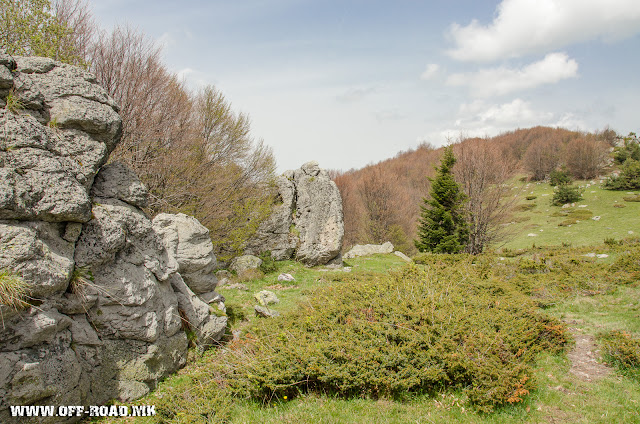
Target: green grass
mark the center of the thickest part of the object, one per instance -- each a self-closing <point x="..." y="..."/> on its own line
<point x="291" y="293"/>
<point x="543" y="219"/>
<point x="556" y="269"/>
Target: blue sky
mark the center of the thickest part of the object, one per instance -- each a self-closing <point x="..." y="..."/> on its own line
<point x="353" y="82"/>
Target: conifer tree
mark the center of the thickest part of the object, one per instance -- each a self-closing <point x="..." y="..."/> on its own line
<point x="442" y="227"/>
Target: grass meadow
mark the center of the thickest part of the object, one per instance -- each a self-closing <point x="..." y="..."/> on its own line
<point x="543" y="329"/>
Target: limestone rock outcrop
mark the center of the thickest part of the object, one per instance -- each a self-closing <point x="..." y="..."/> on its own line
<point x="368" y="249"/>
<point x="188" y="242"/>
<point x="107" y="305"/>
<point x="307" y="220"/>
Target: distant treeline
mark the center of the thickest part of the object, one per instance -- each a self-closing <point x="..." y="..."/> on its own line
<point x="382" y="201"/>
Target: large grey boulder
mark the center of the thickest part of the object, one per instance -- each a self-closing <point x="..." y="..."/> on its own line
<point x="189" y="243"/>
<point x="243" y="263"/>
<point x="53" y="146"/>
<point x="368" y="249"/>
<point x="307" y="220"/>
<point x="319" y="217"/>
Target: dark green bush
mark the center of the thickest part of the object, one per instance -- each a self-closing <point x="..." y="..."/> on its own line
<point x="630" y="149"/>
<point x="622" y="350"/>
<point x="611" y="241"/>
<point x="559" y="177"/>
<point x="628" y="179"/>
<point x="419" y="330"/>
<point x="268" y="265"/>
<point x="566" y="194"/>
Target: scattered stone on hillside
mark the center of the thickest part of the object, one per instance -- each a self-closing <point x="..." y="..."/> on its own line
<point x="189" y="243"/>
<point x="223" y="273"/>
<point x="223" y="282"/>
<point x="532" y="235"/>
<point x="265" y="312"/>
<point x="286" y="277"/>
<point x="582" y="206"/>
<point x="237" y="286"/>
<point x="402" y="256"/>
<point x="306" y="222"/>
<point x="596" y="218"/>
<point x="266" y="297"/>
<point x="599" y="255"/>
<point x="368" y="249"/>
<point x="629" y="232"/>
<point x="212" y="297"/>
<point x="244" y="263"/>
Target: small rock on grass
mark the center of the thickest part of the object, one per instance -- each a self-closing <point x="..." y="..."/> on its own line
<point x="266" y="297"/>
<point x="286" y="277"/>
<point x="265" y="312"/>
<point x="402" y="256"/>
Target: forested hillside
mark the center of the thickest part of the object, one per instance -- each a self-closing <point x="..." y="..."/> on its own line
<point x="382" y="201"/>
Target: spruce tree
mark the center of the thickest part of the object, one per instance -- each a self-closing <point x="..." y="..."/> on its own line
<point x="442" y="227"/>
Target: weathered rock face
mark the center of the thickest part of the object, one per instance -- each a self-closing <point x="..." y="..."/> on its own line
<point x="188" y="242"/>
<point x="307" y="221"/>
<point x="108" y="307"/>
<point x="46" y="170"/>
<point x="319" y="215"/>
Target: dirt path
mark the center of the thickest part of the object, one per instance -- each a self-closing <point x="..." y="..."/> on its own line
<point x="585" y="357"/>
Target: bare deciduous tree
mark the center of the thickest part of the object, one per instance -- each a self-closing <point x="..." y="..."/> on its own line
<point x="483" y="171"/>
<point x="585" y="157"/>
<point x="542" y="157"/>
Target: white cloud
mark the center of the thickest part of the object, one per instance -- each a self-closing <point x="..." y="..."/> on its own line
<point x="572" y="122"/>
<point x="183" y="73"/>
<point x="518" y="113"/>
<point x="389" y="115"/>
<point x="166" y="40"/>
<point x="499" y="81"/>
<point x="355" y="94"/>
<point x="430" y="72"/>
<point x="531" y="26"/>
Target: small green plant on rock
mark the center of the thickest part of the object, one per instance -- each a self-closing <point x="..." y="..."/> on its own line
<point x="14" y="104"/>
<point x="13" y="290"/>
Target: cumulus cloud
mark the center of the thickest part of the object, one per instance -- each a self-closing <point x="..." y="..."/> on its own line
<point x="532" y="26"/>
<point x="517" y="113"/>
<point x="430" y="72"/>
<point x="499" y="81"/>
